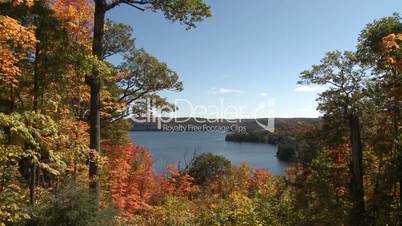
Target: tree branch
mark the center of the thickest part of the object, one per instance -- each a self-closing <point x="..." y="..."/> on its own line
<point x="137" y="7"/>
<point x="128" y="2"/>
<point x="139" y="96"/>
<point x="126" y="93"/>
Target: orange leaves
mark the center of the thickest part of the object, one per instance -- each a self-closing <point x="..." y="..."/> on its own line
<point x="16" y="42"/>
<point x="78" y="19"/>
<point x="391" y="41"/>
<point x="262" y="181"/>
<point x="110" y="104"/>
<point x="393" y="53"/>
<point x="74" y="129"/>
<point x="176" y="182"/>
<point x="28" y="3"/>
<point x="131" y="177"/>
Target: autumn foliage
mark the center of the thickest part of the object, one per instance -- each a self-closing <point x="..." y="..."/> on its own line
<point x="130" y="177"/>
<point x="393" y="50"/>
<point x="16" y="43"/>
<point x="77" y="17"/>
<point x="46" y="63"/>
<point x="133" y="184"/>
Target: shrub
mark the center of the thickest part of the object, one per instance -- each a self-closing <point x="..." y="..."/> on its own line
<point x="71" y="207"/>
<point x="207" y="166"/>
<point x="286" y="152"/>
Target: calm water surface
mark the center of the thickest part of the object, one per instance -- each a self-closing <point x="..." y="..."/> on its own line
<point x="180" y="147"/>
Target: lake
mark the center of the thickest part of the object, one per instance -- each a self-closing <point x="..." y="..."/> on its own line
<point x="180" y="147"/>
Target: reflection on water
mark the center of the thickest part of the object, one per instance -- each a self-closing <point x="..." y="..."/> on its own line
<point x="180" y="148"/>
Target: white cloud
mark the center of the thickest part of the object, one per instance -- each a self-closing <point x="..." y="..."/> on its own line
<point x="263" y="94"/>
<point x="309" y="89"/>
<point x="215" y="90"/>
<point x="224" y="90"/>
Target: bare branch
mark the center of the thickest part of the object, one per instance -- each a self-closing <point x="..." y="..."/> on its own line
<point x="128" y="2"/>
<point x="137" y="7"/>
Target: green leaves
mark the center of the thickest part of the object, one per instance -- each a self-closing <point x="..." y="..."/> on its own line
<point x="345" y="78"/>
<point x="148" y="73"/>
<point x="27" y="135"/>
<point x="187" y="12"/>
<point x="90" y="64"/>
<point x="117" y="39"/>
<point x="207" y="166"/>
<point x="370" y="43"/>
<point x="32" y="136"/>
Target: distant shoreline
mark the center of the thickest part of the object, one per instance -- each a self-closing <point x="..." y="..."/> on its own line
<point x="247" y="124"/>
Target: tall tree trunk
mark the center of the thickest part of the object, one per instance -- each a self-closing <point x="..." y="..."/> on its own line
<point x="398" y="149"/>
<point x="35" y="107"/>
<point x="397" y="133"/>
<point x="357" y="190"/>
<point x="36" y="77"/>
<point x="32" y="184"/>
<point x="95" y="84"/>
<point x="377" y="192"/>
<point x="400" y="184"/>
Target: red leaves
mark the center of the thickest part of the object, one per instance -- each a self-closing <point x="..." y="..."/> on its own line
<point x="131" y="177"/>
<point x="177" y="183"/>
<point x="133" y="184"/>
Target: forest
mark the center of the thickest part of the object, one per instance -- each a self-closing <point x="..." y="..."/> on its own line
<point x="66" y="158"/>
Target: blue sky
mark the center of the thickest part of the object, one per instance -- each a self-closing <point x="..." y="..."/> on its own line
<point x="249" y="54"/>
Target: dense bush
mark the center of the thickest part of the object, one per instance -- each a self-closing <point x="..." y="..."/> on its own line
<point x="208" y="166"/>
<point x="286" y="152"/>
<point x="71" y="206"/>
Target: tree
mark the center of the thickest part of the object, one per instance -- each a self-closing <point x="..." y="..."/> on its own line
<point x="286" y="152"/>
<point x="393" y="51"/>
<point x="131" y="177"/>
<point x="144" y="76"/>
<point x="320" y="188"/>
<point x="17" y="42"/>
<point x="71" y="206"/>
<point x="370" y="46"/>
<point x="139" y="77"/>
<point x="206" y="167"/>
<point x="187" y="12"/>
<point x="379" y="48"/>
<point x="117" y="39"/>
<point x="28" y="138"/>
<point x="344" y="98"/>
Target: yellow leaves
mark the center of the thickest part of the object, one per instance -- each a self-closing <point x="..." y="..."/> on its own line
<point x="16" y="42"/>
<point x="243" y="210"/>
<point x="110" y="104"/>
<point x="12" y="199"/>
